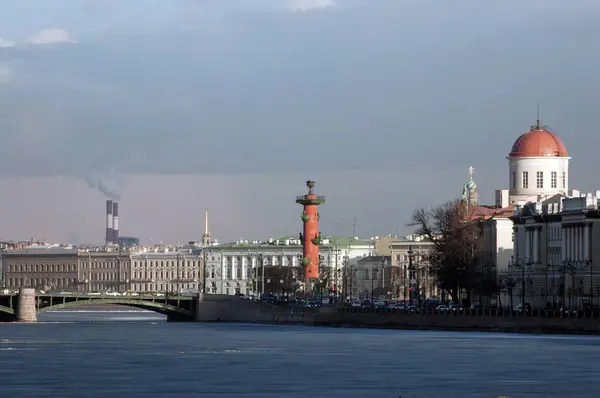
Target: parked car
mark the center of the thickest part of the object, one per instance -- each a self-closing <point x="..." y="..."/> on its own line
<point x="523" y="307"/>
<point x="442" y="308"/>
<point x="568" y="311"/>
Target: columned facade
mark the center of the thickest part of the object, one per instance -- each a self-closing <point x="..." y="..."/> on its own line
<point x="556" y="260"/>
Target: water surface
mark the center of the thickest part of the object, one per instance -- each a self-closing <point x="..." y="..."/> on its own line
<point x="128" y="354"/>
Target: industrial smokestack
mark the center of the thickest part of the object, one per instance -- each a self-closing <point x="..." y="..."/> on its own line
<point x="109" y="222"/>
<point x="115" y="214"/>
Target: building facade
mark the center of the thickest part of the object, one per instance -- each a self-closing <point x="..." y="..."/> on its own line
<point x="410" y="277"/>
<point x="42" y="267"/>
<point x="557" y="247"/>
<point x="253" y="268"/>
<point x="538" y="168"/>
<point x="372" y="277"/>
<point x="104" y="269"/>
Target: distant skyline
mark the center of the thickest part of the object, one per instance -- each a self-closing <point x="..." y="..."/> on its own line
<point x="232" y="105"/>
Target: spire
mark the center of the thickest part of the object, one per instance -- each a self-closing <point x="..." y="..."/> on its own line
<point x="205" y="222"/>
<point x="206" y="238"/>
<point x="538" y="126"/>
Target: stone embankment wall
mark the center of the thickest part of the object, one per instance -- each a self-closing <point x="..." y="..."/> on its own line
<point x="221" y="308"/>
<point x="460" y="322"/>
<point x="233" y="309"/>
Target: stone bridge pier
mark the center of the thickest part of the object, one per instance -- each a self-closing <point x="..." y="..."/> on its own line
<point x="26" y="310"/>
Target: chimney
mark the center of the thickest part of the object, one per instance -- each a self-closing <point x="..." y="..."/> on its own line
<point x="109" y="222"/>
<point x="115" y="215"/>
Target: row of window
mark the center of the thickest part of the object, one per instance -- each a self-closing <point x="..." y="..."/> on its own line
<point x="41" y="282"/>
<point x="403" y="258"/>
<point x="73" y="267"/>
<point x="41" y="268"/>
<point x="104" y="264"/>
<point x="162" y="287"/>
<point x="167" y="263"/>
<point x="107" y="276"/>
<point x="231" y="290"/>
<point x="165" y="274"/>
<point x="539" y="179"/>
<point x="554" y="234"/>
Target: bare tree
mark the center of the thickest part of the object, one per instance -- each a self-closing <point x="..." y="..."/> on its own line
<point x="326" y="277"/>
<point x="455" y="254"/>
<point x="507" y="283"/>
<point x="396" y="280"/>
<point x="283" y="279"/>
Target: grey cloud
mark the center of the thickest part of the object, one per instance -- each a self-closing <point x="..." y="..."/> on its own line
<point x="311" y="93"/>
<point x="5" y="73"/>
<point x="5" y="43"/>
<point x="51" y="36"/>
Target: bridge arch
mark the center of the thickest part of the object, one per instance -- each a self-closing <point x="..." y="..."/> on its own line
<point x="6" y="310"/>
<point x="171" y="311"/>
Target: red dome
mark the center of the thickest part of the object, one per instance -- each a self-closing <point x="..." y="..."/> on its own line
<point x="538" y="142"/>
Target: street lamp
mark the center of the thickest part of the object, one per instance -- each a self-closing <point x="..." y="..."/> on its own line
<point x="345" y="284"/>
<point x="520" y="264"/>
<point x="553" y="285"/>
<point x="588" y="264"/>
<point x="337" y="253"/>
<point x="411" y="269"/>
<point x="567" y="267"/>
<point x="372" y="279"/>
<point x="383" y="263"/>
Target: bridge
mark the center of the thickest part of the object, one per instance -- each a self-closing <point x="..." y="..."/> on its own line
<point x="25" y="305"/>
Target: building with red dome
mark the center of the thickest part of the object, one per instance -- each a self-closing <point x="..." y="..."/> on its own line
<point x="538" y="166"/>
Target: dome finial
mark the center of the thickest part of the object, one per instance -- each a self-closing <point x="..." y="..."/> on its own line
<point x="537" y="123"/>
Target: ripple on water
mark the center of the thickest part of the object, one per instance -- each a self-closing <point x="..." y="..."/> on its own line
<point x="139" y="359"/>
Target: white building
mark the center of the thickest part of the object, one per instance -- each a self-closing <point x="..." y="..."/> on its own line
<point x="237" y="268"/>
<point x="556" y="248"/>
<point x="405" y="282"/>
<point x="164" y="270"/>
<point x="538" y="166"/>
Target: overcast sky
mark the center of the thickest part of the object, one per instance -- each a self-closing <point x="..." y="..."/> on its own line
<point x="234" y="104"/>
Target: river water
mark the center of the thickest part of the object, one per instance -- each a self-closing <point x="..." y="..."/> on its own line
<point x="137" y="354"/>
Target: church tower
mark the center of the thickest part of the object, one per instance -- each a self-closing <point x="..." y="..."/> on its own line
<point x="206" y="238"/>
<point x="469" y="195"/>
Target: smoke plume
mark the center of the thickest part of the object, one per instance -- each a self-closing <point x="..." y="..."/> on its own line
<point x="109" y="185"/>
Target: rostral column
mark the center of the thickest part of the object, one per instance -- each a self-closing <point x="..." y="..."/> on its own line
<point x="311" y="238"/>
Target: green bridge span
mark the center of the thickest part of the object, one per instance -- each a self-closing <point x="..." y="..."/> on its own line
<point x="175" y="307"/>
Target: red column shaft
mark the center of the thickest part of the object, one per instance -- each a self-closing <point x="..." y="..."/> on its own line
<point x="311" y="231"/>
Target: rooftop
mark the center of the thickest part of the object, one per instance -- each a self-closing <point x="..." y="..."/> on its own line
<point x="539" y="141"/>
<point x="294" y="241"/>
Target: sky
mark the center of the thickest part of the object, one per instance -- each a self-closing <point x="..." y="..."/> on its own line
<point x="231" y="105"/>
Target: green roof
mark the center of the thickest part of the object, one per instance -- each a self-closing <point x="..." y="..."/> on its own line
<point x="337" y="241"/>
<point x="347" y="241"/>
